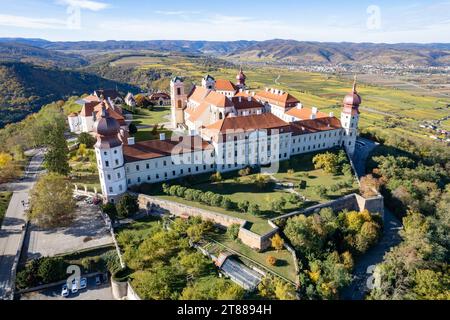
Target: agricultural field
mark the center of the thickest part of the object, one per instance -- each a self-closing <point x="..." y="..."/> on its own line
<point x="396" y="105"/>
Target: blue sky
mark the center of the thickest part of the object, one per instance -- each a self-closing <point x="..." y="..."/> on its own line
<point x="326" y="20"/>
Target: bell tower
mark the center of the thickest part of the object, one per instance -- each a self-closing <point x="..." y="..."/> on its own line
<point x="179" y="99"/>
<point x="350" y="119"/>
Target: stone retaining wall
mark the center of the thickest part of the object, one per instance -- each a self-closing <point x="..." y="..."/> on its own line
<point x="249" y="238"/>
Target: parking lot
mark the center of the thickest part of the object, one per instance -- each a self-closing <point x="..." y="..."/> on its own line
<point x="87" y="231"/>
<point x="92" y="292"/>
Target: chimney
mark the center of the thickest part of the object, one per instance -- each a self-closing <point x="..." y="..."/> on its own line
<point x="162" y="136"/>
<point x="314" y="110"/>
<point x="313" y="116"/>
<point x="131" y="141"/>
<point x="331" y="114"/>
<point x="240" y="99"/>
<point x="249" y="99"/>
<point x="299" y="106"/>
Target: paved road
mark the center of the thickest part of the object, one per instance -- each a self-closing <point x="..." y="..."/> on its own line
<point x="363" y="149"/>
<point x="11" y="230"/>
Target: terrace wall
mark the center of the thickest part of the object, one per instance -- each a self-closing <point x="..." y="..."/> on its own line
<point x="249" y="238"/>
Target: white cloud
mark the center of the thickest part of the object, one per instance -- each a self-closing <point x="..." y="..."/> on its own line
<point x="31" y="23"/>
<point x="85" y="4"/>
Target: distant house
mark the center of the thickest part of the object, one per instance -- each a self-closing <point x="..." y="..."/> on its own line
<point x="130" y="100"/>
<point x="111" y="95"/>
<point x="160" y="99"/>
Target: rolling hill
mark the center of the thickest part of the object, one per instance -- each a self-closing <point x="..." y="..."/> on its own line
<point x="281" y="51"/>
<point x="20" y="52"/>
<point x="24" y="88"/>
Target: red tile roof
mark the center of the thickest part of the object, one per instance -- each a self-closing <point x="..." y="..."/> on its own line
<point x="315" y="125"/>
<point x="200" y="94"/>
<point x="304" y="113"/>
<point x="152" y="149"/>
<point x="88" y="109"/>
<point x="248" y="123"/>
<point x="284" y="100"/>
<point x="242" y="102"/>
<point x="225" y="85"/>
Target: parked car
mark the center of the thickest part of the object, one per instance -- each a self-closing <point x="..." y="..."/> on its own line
<point x="64" y="291"/>
<point x="74" y="286"/>
<point x="98" y="281"/>
<point x="83" y="283"/>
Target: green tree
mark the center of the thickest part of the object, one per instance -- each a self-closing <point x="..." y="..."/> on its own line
<point x="127" y="206"/>
<point x="110" y="209"/>
<point x="86" y="139"/>
<point x="243" y="206"/>
<point x="132" y="129"/>
<point x="253" y="209"/>
<point x="212" y="288"/>
<point x="233" y="231"/>
<point x="52" y="203"/>
<point x="57" y="151"/>
<point x="52" y="269"/>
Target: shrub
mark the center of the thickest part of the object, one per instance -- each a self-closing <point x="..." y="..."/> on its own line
<point x="302" y="184"/>
<point x="52" y="269"/>
<point x="253" y="209"/>
<point x="127" y="206"/>
<point x="227" y="204"/>
<point x="233" y="231"/>
<point x="86" y="139"/>
<point x="243" y="206"/>
<point x="245" y="172"/>
<point x="271" y="260"/>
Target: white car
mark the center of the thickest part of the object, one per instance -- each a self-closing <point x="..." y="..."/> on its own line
<point x="83" y="283"/>
<point x="64" y="291"/>
<point x="74" y="286"/>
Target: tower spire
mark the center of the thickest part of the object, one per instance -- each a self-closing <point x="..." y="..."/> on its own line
<point x="354" y="83"/>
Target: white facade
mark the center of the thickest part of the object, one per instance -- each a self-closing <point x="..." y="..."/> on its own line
<point x="110" y="163"/>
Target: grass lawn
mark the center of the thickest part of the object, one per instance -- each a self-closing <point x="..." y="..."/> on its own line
<point x="5" y="197"/>
<point x="285" y="266"/>
<point x="142" y="227"/>
<point x="239" y="189"/>
<point x="149" y="118"/>
<point x="304" y="170"/>
<point x="259" y="225"/>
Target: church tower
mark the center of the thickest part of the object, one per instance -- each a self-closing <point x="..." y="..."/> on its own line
<point x="241" y="77"/>
<point x="110" y="160"/>
<point x="179" y="99"/>
<point x="350" y="118"/>
<point x="208" y="82"/>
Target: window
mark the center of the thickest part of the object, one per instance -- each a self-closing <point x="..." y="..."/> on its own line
<point x="107" y="163"/>
<point x="109" y="177"/>
<point x="120" y="187"/>
<point x="115" y="151"/>
<point x="178" y="91"/>
<point x="105" y="153"/>
<point x="165" y="163"/>
<point x="117" y="162"/>
<point x="110" y="189"/>
<point x="137" y="167"/>
<point x="139" y="179"/>
<point x="147" y="166"/>
<point x="157" y="176"/>
<point x="149" y="178"/>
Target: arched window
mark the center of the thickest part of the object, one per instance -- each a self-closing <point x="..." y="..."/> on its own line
<point x="220" y="115"/>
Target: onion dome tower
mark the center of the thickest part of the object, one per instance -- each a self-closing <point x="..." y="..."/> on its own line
<point x="109" y="154"/>
<point x="350" y="118"/>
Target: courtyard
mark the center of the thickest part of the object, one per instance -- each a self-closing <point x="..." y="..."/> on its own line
<point x="283" y="185"/>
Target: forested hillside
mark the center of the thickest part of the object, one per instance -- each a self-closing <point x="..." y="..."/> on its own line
<point x="25" y="88"/>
